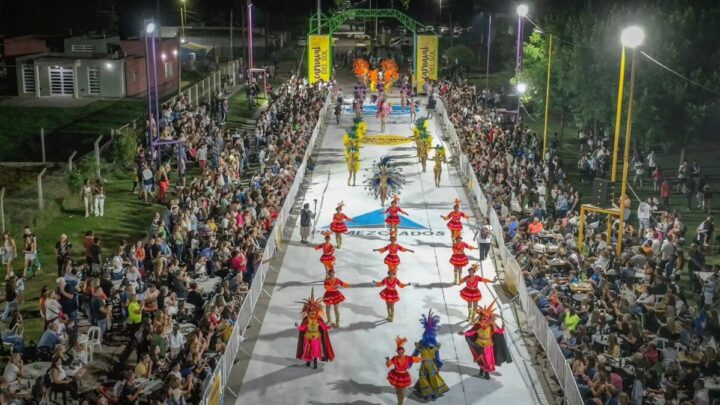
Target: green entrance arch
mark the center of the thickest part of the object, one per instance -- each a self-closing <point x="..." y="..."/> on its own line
<point x="322" y="24"/>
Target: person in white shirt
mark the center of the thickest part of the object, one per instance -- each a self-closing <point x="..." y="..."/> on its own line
<point x="644" y="213"/>
<point x="13" y="370"/>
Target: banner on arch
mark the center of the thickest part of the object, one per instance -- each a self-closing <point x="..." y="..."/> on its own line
<point x="426" y="60"/>
<point x="319" y="67"/>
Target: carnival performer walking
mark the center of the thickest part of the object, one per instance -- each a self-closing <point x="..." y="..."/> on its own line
<point x="471" y="293"/>
<point x="338" y="224"/>
<point x="313" y="339"/>
<point x="383" y="110"/>
<point x="439" y="159"/>
<point x="454" y="220"/>
<point x="333" y="297"/>
<point x="487" y="342"/>
<point x="389" y="294"/>
<point x="399" y="376"/>
<point x="386" y="179"/>
<point x="459" y="259"/>
<point x="393" y="218"/>
<point x="429" y="384"/>
<point x="352" y="141"/>
<point x="328" y="253"/>
<point x="392" y="259"/>
<point x="423" y="141"/>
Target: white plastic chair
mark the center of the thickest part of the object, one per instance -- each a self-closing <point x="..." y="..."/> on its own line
<point x="94" y="340"/>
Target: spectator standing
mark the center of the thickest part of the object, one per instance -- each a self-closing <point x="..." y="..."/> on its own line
<point x="30" y="244"/>
<point x="86" y="193"/>
<point x="99" y="198"/>
<point x="9" y="252"/>
<point x="63" y="249"/>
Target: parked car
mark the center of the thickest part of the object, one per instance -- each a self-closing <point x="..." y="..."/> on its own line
<point x="301" y="42"/>
<point x="429" y="29"/>
<point x="401" y="31"/>
<point x="420" y="30"/>
<point x="444" y="30"/>
<point x="361" y="36"/>
<point x="457" y="30"/>
<point x="469" y="29"/>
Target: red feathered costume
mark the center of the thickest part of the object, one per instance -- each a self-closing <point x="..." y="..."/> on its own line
<point x="332" y="295"/>
<point x="393" y="217"/>
<point x="338" y="223"/>
<point x="459" y="258"/>
<point x="328" y="255"/>
<point x="392" y="259"/>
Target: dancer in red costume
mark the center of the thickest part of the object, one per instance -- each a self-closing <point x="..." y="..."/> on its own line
<point x="471" y="292"/>
<point x="486" y="341"/>
<point x="454" y="220"/>
<point x="399" y="377"/>
<point x="389" y="294"/>
<point x="459" y="259"/>
<point x="338" y="224"/>
<point x="333" y="297"/>
<point x="393" y="218"/>
<point x="313" y="339"/>
<point x="392" y="259"/>
<point x="328" y="255"/>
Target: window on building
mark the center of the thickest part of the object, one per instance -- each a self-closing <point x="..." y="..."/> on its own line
<point x="94" y="81"/>
<point x="134" y="75"/>
<point x="28" y="73"/>
<point x="168" y="69"/>
<point x="82" y="48"/>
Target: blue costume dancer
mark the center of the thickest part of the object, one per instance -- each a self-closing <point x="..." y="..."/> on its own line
<point x="429" y="383"/>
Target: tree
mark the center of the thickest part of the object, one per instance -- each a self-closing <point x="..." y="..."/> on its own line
<point x="464" y="55"/>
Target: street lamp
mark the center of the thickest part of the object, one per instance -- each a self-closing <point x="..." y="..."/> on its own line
<point x="521" y="87"/>
<point x="631" y="37"/>
<point x="152" y="85"/>
<point x="522" y="12"/>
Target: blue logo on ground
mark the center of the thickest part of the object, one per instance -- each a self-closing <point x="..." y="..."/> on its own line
<point x="371" y="109"/>
<point x="376" y="219"/>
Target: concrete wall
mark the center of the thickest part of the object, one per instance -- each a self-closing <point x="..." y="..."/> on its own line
<point x="135" y="77"/>
<point x="112" y="77"/>
<point x="24" y="46"/>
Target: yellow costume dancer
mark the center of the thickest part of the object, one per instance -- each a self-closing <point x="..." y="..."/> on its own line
<point x="439" y="159"/>
<point x="423" y="141"/>
<point x="352" y="141"/>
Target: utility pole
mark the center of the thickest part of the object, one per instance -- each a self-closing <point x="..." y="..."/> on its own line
<point x="231" y="34"/>
<point x="319" y="18"/>
<point x="451" y="31"/>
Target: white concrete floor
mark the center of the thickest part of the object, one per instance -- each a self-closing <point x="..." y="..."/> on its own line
<point x="358" y="374"/>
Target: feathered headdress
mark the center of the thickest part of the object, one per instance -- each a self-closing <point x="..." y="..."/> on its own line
<point x="399" y="342"/>
<point x="340" y="205"/>
<point x="430" y="323"/>
<point x="327" y="234"/>
<point x="393" y="174"/>
<point x="474" y="267"/>
<point x="396" y="198"/>
<point x="312" y="305"/>
<point x="486" y="313"/>
<point x="457" y="202"/>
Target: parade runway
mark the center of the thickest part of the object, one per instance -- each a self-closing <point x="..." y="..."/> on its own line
<point x="358" y="374"/>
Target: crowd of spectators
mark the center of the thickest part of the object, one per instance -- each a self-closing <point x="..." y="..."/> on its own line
<point x="632" y="328"/>
<point x="168" y="302"/>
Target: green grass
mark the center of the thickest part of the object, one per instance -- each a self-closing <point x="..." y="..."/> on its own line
<point x="126" y="218"/>
<point x="66" y="129"/>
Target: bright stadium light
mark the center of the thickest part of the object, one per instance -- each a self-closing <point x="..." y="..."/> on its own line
<point x="522" y="10"/>
<point x="632" y="37"/>
<point x="150" y="27"/>
<point x="521" y="87"/>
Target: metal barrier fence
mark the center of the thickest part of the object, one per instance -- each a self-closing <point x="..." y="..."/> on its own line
<point x="514" y="280"/>
<point x="214" y="391"/>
